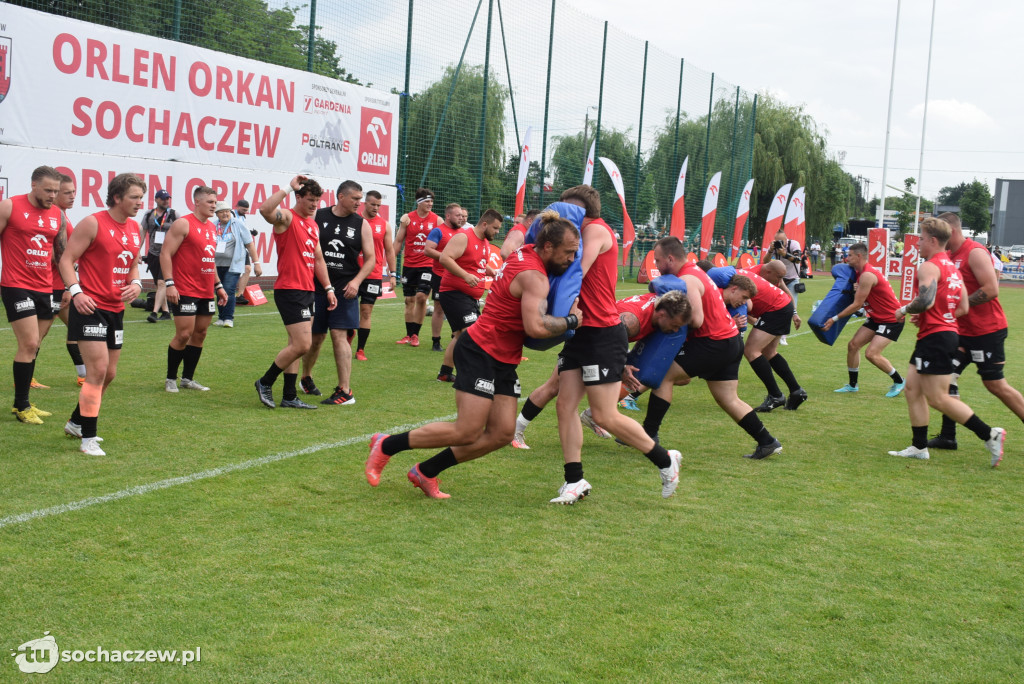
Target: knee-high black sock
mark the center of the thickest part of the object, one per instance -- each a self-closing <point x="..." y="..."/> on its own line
<point x="573" y="472"/>
<point x="289" y="386"/>
<point x="364" y="334"/>
<point x="896" y="377"/>
<point x="656" y="410"/>
<point x="854" y="376"/>
<point x="948" y="428"/>
<point x="89" y="426"/>
<point x="438" y="463"/>
<point x="763" y="370"/>
<point x="978" y="427"/>
<point x="76" y="415"/>
<point x="919" y="436"/>
<point x="436" y="340"/>
<point x="191" y="356"/>
<point x="530" y="410"/>
<point x="22" y="380"/>
<point x="781" y="366"/>
<point x="408" y="328"/>
<point x="659" y="456"/>
<point x="174" y="357"/>
<point x="755" y="428"/>
<point x="270" y="377"/>
<point x="395" y="443"/>
<point x="75" y="353"/>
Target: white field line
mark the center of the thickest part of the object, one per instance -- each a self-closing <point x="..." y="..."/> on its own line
<point x="139" y="490"/>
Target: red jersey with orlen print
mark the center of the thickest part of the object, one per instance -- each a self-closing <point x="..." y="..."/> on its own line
<point x="499" y="330"/>
<point x="597" y="293"/>
<point x="984" y="318"/>
<point x="104" y="267"/>
<point x="718" y="324"/>
<point x="195" y="269"/>
<point x="416" y="238"/>
<point x="949" y="289"/>
<point x="881" y="304"/>
<point x="296" y="254"/>
<point x="378" y="227"/>
<point x="26" y="245"/>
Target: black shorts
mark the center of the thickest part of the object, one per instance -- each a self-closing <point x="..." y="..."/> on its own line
<point x="460" y="309"/>
<point x="193" y="306"/>
<point x="778" y="322"/>
<point x="984" y="351"/>
<point x="890" y="331"/>
<point x="56" y="297"/>
<point x="435" y="286"/>
<point x="153" y="264"/>
<point x="713" y="360"/>
<point x="345" y="316"/>
<point x="599" y="353"/>
<point x="21" y="303"/>
<point x="481" y="374"/>
<point x="369" y="290"/>
<point x="295" y="306"/>
<point x="933" y="354"/>
<point x="416" y="280"/>
<point x="99" y="326"/>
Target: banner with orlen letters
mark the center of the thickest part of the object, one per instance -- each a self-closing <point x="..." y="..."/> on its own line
<point x="72" y="85"/>
<point x="91" y="174"/>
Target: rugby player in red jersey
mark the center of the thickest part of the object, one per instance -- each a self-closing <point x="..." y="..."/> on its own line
<point x="299" y="261"/>
<point x="983" y="329"/>
<point x="190" y="273"/>
<point x="384" y="254"/>
<point x="106" y="247"/>
<point x="487" y="386"/>
<point x="413" y="229"/>
<point x="517" y="233"/>
<point x="875" y="295"/>
<point x="940" y="301"/>
<point x="29" y="224"/>
<point x="454" y="220"/>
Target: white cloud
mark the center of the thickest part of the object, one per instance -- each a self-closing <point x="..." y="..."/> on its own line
<point x="957" y="113"/>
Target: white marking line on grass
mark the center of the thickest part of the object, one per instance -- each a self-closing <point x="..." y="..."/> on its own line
<point x="139" y="490"/>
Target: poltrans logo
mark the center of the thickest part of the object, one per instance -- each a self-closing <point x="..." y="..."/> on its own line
<point x="5" y="70"/>
<point x="38" y="656"/>
<point x="375" y="141"/>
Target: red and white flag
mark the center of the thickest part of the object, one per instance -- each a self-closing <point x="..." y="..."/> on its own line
<point x="678" y="226"/>
<point x="792" y="223"/>
<point x="774" y="221"/>
<point x="911" y="256"/>
<point x="707" y="221"/>
<point x="588" y="173"/>
<point x="524" y="169"/>
<point x="878" y="247"/>
<point x="628" y="234"/>
<point x="801" y="220"/>
<point x="742" y="211"/>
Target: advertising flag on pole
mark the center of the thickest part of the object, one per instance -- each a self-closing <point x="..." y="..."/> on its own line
<point x="801" y="220"/>
<point x="524" y="169"/>
<point x="741" y="217"/>
<point x="588" y="173"/>
<point x="678" y="226"/>
<point x="707" y="221"/>
<point x="910" y="258"/>
<point x="792" y="223"/>
<point x="774" y="221"/>
<point x="878" y="247"/>
<point x="628" y="234"/>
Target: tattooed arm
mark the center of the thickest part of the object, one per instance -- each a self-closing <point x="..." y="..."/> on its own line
<point x="631" y="322"/>
<point x="532" y="288"/>
<point x="980" y="263"/>
<point x="927" y="286"/>
<point x="60" y="241"/>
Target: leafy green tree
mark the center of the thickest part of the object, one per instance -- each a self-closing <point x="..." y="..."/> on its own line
<point x="453" y="170"/>
<point x="974" y="207"/>
<point x="950" y="195"/>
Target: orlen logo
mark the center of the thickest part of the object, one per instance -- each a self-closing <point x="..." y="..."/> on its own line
<point x="375" y="141"/>
<point x="125" y="257"/>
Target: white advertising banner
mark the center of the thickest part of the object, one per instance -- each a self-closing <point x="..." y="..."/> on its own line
<point x="92" y="173"/>
<point x="72" y="85"/>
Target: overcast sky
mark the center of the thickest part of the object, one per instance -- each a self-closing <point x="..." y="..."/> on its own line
<point x="836" y="58"/>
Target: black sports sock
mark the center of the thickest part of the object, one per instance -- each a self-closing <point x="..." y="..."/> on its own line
<point x="436" y="340"/>
<point x="76" y="415"/>
<point x="896" y="377"/>
<point x="289" y="386"/>
<point x="656" y="410"/>
<point x="174" y="357"/>
<point x="438" y="463"/>
<point x="446" y="370"/>
<point x="753" y="426"/>
<point x="919" y="436"/>
<point x="192" y="354"/>
<point x="573" y="472"/>
<point x="854" y="374"/>
<point x="416" y="328"/>
<point x="270" y="377"/>
<point x="659" y="456"/>
<point x="531" y="410"/>
<point x="408" y="329"/>
<point x="75" y="353"/>
<point x="363" y="335"/>
<point x="781" y="367"/>
<point x="978" y="427"/>
<point x="948" y="428"/>
<point x="763" y="370"/>
<point x="395" y="443"/>
<point x="89" y="426"/>
<point x="22" y="380"/>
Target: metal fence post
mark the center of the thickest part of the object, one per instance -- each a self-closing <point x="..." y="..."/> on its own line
<point x="176" y="27"/>
<point x="547" y="103"/>
<point x="404" y="102"/>
<point x="707" y="138"/>
<point x="483" y="112"/>
<point x="312" y="35"/>
<point x="600" y="97"/>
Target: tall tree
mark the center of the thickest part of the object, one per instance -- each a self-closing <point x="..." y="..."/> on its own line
<point x="950" y="195"/>
<point x="974" y="207"/>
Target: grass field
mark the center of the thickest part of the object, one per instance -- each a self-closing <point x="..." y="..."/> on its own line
<point x="829" y="562"/>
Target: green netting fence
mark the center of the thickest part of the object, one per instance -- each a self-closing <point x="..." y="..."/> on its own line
<point x="474" y="75"/>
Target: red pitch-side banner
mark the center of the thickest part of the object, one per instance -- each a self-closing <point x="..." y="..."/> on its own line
<point x="628" y="234"/>
<point x="691" y="257"/>
<point x="878" y="247"/>
<point x="707" y="221"/>
<point x="792" y="224"/>
<point x="741" y="217"/>
<point x="524" y="169"/>
<point x="648" y="271"/>
<point x="719" y="260"/>
<point x="494" y="262"/>
<point x="588" y="172"/>
<point x="911" y="256"/>
<point x="746" y="261"/>
<point x="801" y="220"/>
<point x="774" y="221"/>
<point x="678" y="226"/>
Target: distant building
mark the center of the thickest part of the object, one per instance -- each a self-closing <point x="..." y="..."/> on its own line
<point x="1008" y="213"/>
